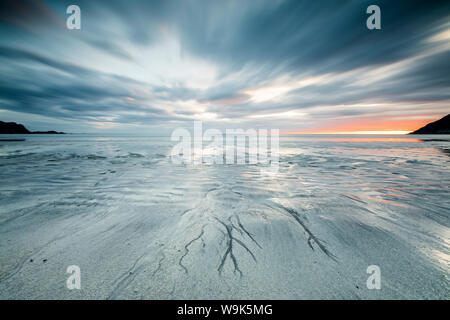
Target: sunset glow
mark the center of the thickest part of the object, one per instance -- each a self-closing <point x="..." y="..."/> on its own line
<point x="153" y="75"/>
<point x="371" y="126"/>
<point x="352" y="132"/>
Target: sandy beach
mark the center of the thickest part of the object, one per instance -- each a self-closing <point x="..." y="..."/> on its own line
<point x="140" y="227"/>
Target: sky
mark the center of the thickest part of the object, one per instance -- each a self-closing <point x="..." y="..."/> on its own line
<point x="152" y="66"/>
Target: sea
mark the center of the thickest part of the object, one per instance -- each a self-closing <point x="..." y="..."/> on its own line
<point x="343" y="217"/>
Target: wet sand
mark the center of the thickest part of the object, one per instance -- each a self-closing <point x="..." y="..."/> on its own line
<point x="140" y="227"/>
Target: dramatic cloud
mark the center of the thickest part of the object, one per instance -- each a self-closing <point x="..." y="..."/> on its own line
<point x="295" y="65"/>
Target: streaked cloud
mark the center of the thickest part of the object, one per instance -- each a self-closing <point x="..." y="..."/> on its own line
<point x="301" y="66"/>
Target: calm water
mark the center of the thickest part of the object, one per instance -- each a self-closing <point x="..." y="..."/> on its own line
<point x="141" y="227"/>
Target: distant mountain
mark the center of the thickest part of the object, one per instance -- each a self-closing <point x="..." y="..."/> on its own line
<point x="441" y="126"/>
<point x="12" y="128"/>
<point x="17" y="128"/>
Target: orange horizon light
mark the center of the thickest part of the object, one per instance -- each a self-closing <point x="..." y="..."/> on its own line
<point x="396" y="125"/>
